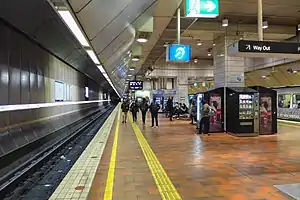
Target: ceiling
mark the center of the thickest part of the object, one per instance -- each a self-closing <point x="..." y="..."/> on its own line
<point x="113" y="25"/>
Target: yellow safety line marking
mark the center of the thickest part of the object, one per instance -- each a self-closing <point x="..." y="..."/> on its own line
<point x="112" y="165"/>
<point x="163" y="182"/>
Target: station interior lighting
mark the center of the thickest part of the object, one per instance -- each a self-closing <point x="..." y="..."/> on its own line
<point x="131" y="69"/>
<point x="265" y="24"/>
<point x="298" y="27"/>
<point x="135" y="59"/>
<point x="225" y="22"/>
<point x="73" y="26"/>
<point x="141" y="40"/>
<point x="199" y="43"/>
<point x="195" y="60"/>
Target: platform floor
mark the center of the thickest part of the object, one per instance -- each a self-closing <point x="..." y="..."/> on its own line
<point x="171" y="162"/>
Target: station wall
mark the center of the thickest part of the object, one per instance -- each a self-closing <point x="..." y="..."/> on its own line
<point x="27" y="76"/>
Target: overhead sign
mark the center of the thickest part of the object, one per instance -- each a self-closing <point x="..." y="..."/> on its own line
<point x="202" y="8"/>
<point x="135" y="85"/>
<point x="250" y="48"/>
<point x="178" y="53"/>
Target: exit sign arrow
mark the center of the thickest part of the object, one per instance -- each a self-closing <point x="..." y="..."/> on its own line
<point x="210" y="6"/>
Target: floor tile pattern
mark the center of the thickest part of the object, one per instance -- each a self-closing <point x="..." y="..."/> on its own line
<point x="221" y="166"/>
<point x="133" y="180"/>
<point x="83" y="171"/>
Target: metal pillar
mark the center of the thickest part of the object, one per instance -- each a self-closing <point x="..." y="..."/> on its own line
<point x="260" y="20"/>
<point x="178" y="25"/>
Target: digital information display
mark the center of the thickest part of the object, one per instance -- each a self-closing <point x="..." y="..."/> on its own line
<point x="178" y="53"/>
<point x="268" y="47"/>
<point x="135" y="85"/>
<point x="59" y="91"/>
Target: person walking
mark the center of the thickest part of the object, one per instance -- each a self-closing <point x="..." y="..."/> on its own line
<point x="205" y="114"/>
<point x="154" y="108"/>
<point x="134" y="110"/>
<point x="125" y="109"/>
<point x="144" y="108"/>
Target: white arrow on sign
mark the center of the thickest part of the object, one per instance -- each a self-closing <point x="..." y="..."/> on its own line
<point x="209" y="6"/>
<point x="248" y="47"/>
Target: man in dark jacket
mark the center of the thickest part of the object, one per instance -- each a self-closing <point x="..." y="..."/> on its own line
<point x="134" y="110"/>
<point x="125" y="109"/>
<point x="154" y="108"/>
<point x="144" y="107"/>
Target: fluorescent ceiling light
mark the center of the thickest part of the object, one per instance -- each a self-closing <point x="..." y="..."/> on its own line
<point x="298" y="27"/>
<point x="106" y="76"/>
<point x="199" y="43"/>
<point x="225" y="22"/>
<point x="294" y="71"/>
<point x="100" y="67"/>
<point x="265" y="24"/>
<point x="264" y="76"/>
<point x="135" y="59"/>
<point x="93" y="56"/>
<point x="141" y="40"/>
<point x="129" y="75"/>
<point x="69" y="20"/>
<point x="131" y="69"/>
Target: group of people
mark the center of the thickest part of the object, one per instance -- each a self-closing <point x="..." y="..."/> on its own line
<point x="134" y="107"/>
<point x="206" y="112"/>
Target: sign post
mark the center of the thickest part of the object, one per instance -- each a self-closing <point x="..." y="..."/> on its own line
<point x="202" y="8"/>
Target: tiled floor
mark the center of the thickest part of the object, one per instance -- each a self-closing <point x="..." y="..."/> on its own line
<point x="216" y="167"/>
<point x="77" y="183"/>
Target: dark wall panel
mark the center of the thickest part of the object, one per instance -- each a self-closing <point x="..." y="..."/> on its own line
<point x="4" y="69"/>
<point x="25" y="73"/>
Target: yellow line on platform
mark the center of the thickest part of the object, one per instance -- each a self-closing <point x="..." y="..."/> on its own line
<point x="163" y="182"/>
<point x="108" y="195"/>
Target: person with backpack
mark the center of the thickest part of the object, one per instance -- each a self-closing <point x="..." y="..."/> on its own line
<point x="144" y="108"/>
<point x="154" y="108"/>
<point x="125" y="109"/>
<point x="206" y="112"/>
<point x="134" y="108"/>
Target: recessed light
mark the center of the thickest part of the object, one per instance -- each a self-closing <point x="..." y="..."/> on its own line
<point x="214" y="44"/>
<point x="265" y="24"/>
<point x="141" y="40"/>
<point x="199" y="43"/>
<point x="135" y="59"/>
<point x="195" y="60"/>
<point x="209" y="54"/>
<point x="131" y="69"/>
<point x="225" y="22"/>
<point x="264" y="76"/>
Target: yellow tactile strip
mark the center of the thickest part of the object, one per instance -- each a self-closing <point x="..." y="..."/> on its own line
<point x="165" y="186"/>
<point x="83" y="171"/>
<point x="112" y="165"/>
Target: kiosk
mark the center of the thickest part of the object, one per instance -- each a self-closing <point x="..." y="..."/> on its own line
<point x="199" y="98"/>
<point x="267" y="110"/>
<point x="242" y="111"/>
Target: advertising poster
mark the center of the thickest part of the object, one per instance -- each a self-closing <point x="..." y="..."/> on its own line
<point x="265" y="115"/>
<point x="216" y="120"/>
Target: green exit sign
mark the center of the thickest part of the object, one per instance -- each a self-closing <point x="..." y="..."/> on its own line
<point x="202" y="8"/>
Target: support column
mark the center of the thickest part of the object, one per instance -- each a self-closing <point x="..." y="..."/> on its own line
<point x="228" y="71"/>
<point x="260" y="20"/>
<point x="182" y="88"/>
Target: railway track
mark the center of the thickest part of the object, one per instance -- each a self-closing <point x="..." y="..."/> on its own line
<point x="46" y="169"/>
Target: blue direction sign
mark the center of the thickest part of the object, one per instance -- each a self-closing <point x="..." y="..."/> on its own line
<point x="202" y="8"/>
<point x="178" y="53"/>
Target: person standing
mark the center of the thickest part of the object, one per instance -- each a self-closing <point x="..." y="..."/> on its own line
<point x="170" y="107"/>
<point x="154" y="108"/>
<point x="204" y="122"/>
<point x="134" y="110"/>
<point x="125" y="109"/>
<point x="144" y="108"/>
<point x="193" y="110"/>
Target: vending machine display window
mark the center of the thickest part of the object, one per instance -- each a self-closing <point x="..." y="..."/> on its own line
<point x="246" y="106"/>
